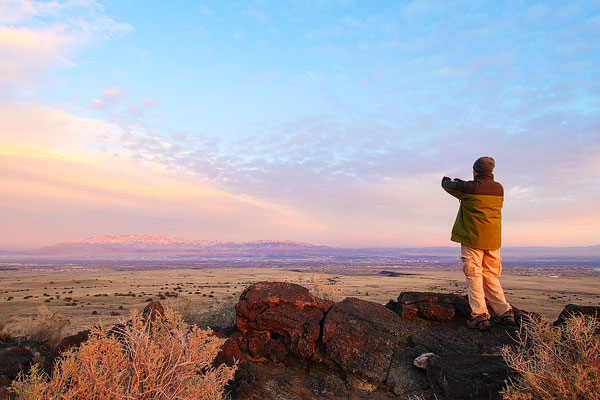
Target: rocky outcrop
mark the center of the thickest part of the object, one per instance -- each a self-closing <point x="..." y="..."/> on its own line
<point x="366" y="349"/>
<point x="274" y="316"/>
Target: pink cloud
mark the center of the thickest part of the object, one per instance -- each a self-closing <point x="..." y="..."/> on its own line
<point x="109" y="98"/>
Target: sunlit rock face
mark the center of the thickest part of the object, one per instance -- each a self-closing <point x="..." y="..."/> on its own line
<point x="360" y="349"/>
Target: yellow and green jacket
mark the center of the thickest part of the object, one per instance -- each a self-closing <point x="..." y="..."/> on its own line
<point x="479" y="220"/>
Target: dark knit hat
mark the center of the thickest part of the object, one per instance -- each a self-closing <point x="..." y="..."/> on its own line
<point x="484" y="164"/>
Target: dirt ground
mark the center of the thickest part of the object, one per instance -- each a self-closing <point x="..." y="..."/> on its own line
<point x="87" y="296"/>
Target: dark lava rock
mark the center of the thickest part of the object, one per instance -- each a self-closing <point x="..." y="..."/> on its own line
<point x="404" y="378"/>
<point x="235" y="349"/>
<point x="468" y="362"/>
<point x="361" y="336"/>
<point x="15" y="359"/>
<point x="470" y="376"/>
<point x="289" y="313"/>
<point x="306" y="380"/>
<point x="574" y="309"/>
<point x="432" y="306"/>
<point x="65" y="344"/>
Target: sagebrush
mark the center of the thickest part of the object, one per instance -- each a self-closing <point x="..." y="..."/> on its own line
<point x="555" y="363"/>
<point x="44" y="327"/>
<point x="326" y="288"/>
<point x="219" y="314"/>
<point x="165" y="359"/>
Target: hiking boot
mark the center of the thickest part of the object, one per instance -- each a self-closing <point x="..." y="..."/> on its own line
<point x="481" y="322"/>
<point x="508" y="318"/>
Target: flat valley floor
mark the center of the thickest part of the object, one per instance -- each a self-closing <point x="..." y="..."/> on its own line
<point x="87" y="296"/>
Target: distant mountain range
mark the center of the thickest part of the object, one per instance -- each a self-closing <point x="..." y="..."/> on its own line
<point x="147" y="245"/>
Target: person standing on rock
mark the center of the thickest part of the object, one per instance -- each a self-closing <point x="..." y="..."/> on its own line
<point x="478" y="228"/>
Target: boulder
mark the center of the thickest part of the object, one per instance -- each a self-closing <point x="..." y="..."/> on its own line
<point x="361" y="337"/>
<point x="152" y="311"/>
<point x="286" y="312"/>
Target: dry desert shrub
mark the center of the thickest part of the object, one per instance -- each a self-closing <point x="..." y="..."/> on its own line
<point x="326" y="289"/>
<point x="220" y="313"/>
<point x="162" y="360"/>
<point x="45" y="327"/>
<point x="555" y="362"/>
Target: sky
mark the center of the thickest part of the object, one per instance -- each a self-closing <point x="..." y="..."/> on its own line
<point x="328" y="122"/>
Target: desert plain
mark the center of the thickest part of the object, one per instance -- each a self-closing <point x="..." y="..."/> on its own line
<point x="89" y="296"/>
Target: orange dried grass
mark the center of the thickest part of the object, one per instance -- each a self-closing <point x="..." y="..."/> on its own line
<point x="555" y="363"/>
<point x="163" y="360"/>
<point x="325" y="289"/>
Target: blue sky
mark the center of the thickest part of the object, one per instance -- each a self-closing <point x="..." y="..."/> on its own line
<point x="325" y="121"/>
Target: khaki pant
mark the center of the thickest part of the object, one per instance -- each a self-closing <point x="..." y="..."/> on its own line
<point x="482" y="269"/>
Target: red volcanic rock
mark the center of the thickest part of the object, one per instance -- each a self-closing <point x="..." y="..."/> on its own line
<point x="234" y="350"/>
<point x="253" y="346"/>
<point x="361" y="336"/>
<point x="260" y="344"/>
<point x="289" y="314"/>
<point x="152" y="311"/>
<point x="433" y="306"/>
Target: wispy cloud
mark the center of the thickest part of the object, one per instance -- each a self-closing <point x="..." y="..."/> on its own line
<point x="37" y="36"/>
<point x="109" y="98"/>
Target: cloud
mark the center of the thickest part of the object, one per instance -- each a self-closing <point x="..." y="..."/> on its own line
<point x="27" y="55"/>
<point x="14" y="11"/>
<point x="109" y="98"/>
<point x="150" y="103"/>
<point x="62" y="169"/>
<point x="36" y="37"/>
<point x="382" y="175"/>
